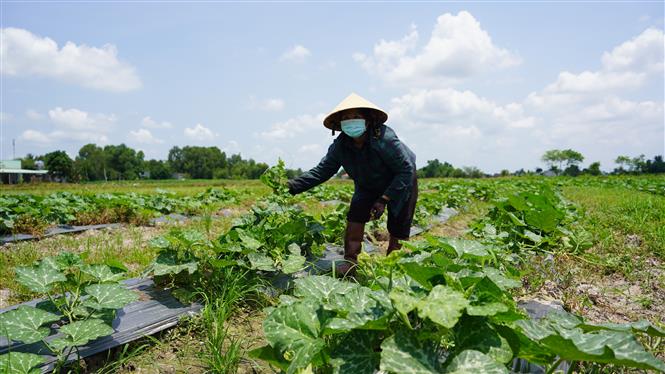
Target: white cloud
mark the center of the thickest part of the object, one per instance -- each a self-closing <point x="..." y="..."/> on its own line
<point x="293" y="126"/>
<point x="143" y="136"/>
<point x="73" y="125"/>
<point x="458" y="48"/>
<point x="271" y="104"/>
<point x="311" y="148"/>
<point x="33" y="115"/>
<point x="199" y="132"/>
<point x="36" y="137"/>
<point x="26" y="54"/>
<point x="152" y="124"/>
<point x="297" y="53"/>
<point x="643" y="53"/>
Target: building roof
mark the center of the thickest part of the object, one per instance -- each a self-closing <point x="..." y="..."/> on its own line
<point x="22" y="171"/>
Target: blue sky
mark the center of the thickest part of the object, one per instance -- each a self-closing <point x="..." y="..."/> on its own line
<point x="491" y="85"/>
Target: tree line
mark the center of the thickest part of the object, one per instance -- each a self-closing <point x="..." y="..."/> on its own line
<point x="120" y="162"/>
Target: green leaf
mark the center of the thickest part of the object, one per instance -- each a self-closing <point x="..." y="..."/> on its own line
<point x="102" y="273"/>
<point x="403" y="302"/>
<point x="356" y="353"/>
<point x="471" y="361"/>
<point x="20" y="363"/>
<point x="500" y="279"/>
<point x="359" y="308"/>
<point x="487" y="299"/>
<point x="24" y="324"/>
<point x="477" y="334"/>
<point x="293" y="263"/>
<point x="467" y="248"/>
<point x="248" y="241"/>
<point x="403" y="353"/>
<point x="261" y="261"/>
<point x="294" y="331"/>
<point x="80" y="333"/>
<point x="109" y="296"/>
<point x="643" y="326"/>
<point x="39" y="278"/>
<point x="557" y="332"/>
<point x="443" y="306"/>
<point x="271" y="356"/>
<point x="169" y="263"/>
<point x="321" y="288"/>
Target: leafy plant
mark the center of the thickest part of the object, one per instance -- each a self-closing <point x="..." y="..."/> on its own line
<point x="81" y="303"/>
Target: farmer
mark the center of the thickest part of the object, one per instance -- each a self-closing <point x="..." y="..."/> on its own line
<point x="383" y="170"/>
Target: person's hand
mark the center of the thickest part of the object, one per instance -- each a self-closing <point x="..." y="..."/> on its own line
<point x="377" y="209"/>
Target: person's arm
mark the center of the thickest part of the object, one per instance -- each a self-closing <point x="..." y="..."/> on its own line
<point x="327" y="167"/>
<point x="399" y="162"/>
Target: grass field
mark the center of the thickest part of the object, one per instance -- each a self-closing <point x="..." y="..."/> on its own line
<point x="619" y="278"/>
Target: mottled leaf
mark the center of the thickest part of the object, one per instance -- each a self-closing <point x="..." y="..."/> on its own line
<point x="80" y="333"/>
<point x="359" y="308"/>
<point x="443" y="306"/>
<point x="102" y="273"/>
<point x="357" y="353"/>
<point x="294" y="331"/>
<point x="20" y="363"/>
<point x="169" y="263"/>
<point x="471" y="361"/>
<point x="487" y="299"/>
<point x="477" y="334"/>
<point x="403" y="353"/>
<point x="109" y="296"/>
<point x="293" y="263"/>
<point x="261" y="261"/>
<point x="24" y="324"/>
<point x="321" y="287"/>
<point x="39" y="278"/>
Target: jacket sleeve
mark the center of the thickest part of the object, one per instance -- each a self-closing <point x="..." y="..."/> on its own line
<point x="327" y="167"/>
<point x="399" y="161"/>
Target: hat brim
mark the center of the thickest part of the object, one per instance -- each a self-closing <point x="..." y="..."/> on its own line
<point x="332" y="121"/>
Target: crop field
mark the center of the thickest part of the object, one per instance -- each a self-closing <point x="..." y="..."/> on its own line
<point x="532" y="274"/>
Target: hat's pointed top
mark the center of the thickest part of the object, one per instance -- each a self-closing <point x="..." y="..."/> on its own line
<point x="353" y="101"/>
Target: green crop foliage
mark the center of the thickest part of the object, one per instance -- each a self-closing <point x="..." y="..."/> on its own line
<point x="81" y="300"/>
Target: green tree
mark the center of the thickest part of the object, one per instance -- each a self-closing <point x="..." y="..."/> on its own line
<point x="556" y="159"/>
<point x="28" y="162"/>
<point x="91" y="163"/>
<point x="124" y="162"/>
<point x="59" y="165"/>
<point x="594" y="169"/>
<point x="159" y="169"/>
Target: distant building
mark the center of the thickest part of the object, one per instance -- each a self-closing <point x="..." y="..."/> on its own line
<point x="11" y="172"/>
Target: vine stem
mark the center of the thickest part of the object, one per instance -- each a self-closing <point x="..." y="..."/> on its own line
<point x="554" y="366"/>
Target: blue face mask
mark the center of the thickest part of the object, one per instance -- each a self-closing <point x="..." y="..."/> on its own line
<point x="353" y="127"/>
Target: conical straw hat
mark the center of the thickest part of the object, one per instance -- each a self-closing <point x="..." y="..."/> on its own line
<point x="353" y="101"/>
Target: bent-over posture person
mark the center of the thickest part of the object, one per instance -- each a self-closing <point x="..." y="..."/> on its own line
<point x="383" y="170"/>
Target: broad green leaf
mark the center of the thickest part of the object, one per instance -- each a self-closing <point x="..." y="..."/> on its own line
<point x="467" y="248"/>
<point x="293" y="263"/>
<point x="20" y="363"/>
<point x="443" y="306"/>
<point x="248" y="241"/>
<point x="80" y="333"/>
<point x="102" y="273"/>
<point x="271" y="356"/>
<point x="357" y="353"/>
<point x="500" y="279"/>
<point x="643" y="326"/>
<point x="39" y="278"/>
<point x="471" y="361"/>
<point x="557" y="333"/>
<point x="261" y="261"/>
<point x="294" y="331"/>
<point x="24" y="324"/>
<point x="477" y="334"/>
<point x="403" y="353"/>
<point x="169" y="263"/>
<point x="487" y="299"/>
<point x="109" y="296"/>
<point x="359" y="308"/>
<point x="321" y="287"/>
<point x="403" y="302"/>
<point x="427" y="276"/>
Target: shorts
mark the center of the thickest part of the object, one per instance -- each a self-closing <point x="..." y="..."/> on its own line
<point x="399" y="225"/>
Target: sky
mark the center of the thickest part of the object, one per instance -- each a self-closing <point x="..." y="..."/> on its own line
<point x="486" y="84"/>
